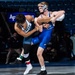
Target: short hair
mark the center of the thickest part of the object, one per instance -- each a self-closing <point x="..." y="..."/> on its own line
<point x="20" y="18"/>
<point x="43" y="3"/>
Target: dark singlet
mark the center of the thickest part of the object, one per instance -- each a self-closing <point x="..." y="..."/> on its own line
<point x="27" y="40"/>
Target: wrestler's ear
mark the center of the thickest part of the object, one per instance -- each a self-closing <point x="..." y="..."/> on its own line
<point x="45" y="7"/>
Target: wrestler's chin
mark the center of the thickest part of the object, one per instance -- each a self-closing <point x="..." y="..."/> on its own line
<point x="41" y="12"/>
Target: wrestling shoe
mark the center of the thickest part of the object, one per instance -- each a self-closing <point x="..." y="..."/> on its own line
<point x="19" y="59"/>
<point x="42" y="73"/>
<point x="28" y="69"/>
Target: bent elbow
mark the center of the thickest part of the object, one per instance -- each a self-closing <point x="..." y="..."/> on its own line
<point x="25" y="35"/>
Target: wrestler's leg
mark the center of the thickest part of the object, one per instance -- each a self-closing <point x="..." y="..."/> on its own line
<point x="21" y="55"/>
<point x="41" y="61"/>
<point x="35" y="41"/>
<point x="27" y="47"/>
<point x="45" y="40"/>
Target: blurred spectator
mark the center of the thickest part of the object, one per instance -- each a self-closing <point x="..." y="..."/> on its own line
<point x="14" y="44"/>
<point x="2" y="42"/>
<point x="69" y="44"/>
<point x="73" y="49"/>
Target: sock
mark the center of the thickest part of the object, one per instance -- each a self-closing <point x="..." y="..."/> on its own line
<point x="43" y="68"/>
<point x="28" y="63"/>
<point x="21" y="57"/>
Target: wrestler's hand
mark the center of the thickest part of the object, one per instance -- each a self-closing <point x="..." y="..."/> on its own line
<point x="40" y="28"/>
<point x="37" y="28"/>
<point x="53" y="19"/>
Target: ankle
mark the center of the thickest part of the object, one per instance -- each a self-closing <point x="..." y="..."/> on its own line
<point x="28" y="63"/>
<point x="43" y="68"/>
<point x="21" y="56"/>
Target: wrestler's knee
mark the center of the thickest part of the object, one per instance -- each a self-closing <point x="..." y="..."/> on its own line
<point x="39" y="52"/>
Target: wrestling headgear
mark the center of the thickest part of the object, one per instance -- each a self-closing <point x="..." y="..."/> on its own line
<point x="44" y="7"/>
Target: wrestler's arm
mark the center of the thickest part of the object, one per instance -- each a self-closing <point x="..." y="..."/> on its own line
<point x="43" y="20"/>
<point x="20" y="32"/>
<point x="56" y="14"/>
<point x="39" y="22"/>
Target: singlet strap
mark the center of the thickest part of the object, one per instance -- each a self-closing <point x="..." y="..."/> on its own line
<point x="49" y="14"/>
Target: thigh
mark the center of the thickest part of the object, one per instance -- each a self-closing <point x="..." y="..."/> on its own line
<point x="26" y="47"/>
<point x="35" y="40"/>
<point x="45" y="40"/>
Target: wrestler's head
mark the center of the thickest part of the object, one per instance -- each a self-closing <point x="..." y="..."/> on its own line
<point x="20" y="19"/>
<point x="43" y="6"/>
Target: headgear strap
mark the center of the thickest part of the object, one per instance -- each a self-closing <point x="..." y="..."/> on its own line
<point x="45" y="7"/>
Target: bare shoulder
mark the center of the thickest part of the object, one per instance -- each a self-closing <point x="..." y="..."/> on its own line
<point x="29" y="18"/>
<point x="15" y="23"/>
<point x="15" y="26"/>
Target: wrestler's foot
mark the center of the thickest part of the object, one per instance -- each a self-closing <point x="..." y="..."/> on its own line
<point x="28" y="69"/>
<point x="19" y="59"/>
<point x="42" y="73"/>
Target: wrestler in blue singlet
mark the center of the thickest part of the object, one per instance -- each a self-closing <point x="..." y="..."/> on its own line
<point x="44" y="37"/>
